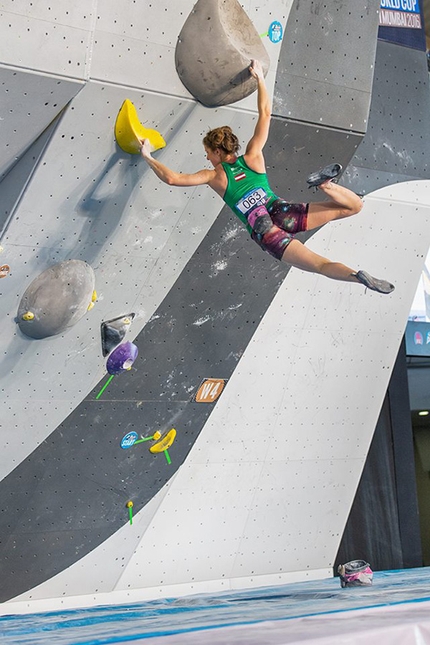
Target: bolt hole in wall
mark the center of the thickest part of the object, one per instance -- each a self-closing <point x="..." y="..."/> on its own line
<point x="418" y="368"/>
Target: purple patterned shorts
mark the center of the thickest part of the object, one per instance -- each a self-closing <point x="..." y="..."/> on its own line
<point x="288" y="219"/>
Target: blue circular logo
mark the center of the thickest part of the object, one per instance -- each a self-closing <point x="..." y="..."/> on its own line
<point x="275" y="32"/>
<point x="129" y="439"/>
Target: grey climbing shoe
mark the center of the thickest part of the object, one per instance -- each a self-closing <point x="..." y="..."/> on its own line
<point x="329" y="172"/>
<point x="382" y="286"/>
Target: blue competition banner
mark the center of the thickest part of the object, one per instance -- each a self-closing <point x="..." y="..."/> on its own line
<point x="402" y="22"/>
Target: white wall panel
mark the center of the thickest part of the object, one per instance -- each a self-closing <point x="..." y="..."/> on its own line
<point x="157" y="23"/>
<point x="161" y="24"/>
<point x="113" y="42"/>
<point x="297" y="516"/>
<point x="46" y="45"/>
<point x="137" y="49"/>
<point x="76" y="14"/>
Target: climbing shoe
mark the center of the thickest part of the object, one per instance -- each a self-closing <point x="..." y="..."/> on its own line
<point x="329" y="172"/>
<point x="382" y="286"/>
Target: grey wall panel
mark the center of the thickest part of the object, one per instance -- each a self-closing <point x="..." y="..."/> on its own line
<point x="29" y="103"/>
<point x="363" y="180"/>
<point x="326" y="63"/>
<point x="329" y="105"/>
<point x="74" y="496"/>
<point x="397" y="142"/>
<point x="14" y="184"/>
<point x="296" y="149"/>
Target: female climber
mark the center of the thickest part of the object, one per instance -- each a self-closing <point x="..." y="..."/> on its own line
<point x="242" y="183"/>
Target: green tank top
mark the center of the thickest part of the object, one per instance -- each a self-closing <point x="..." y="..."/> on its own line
<point x="246" y="189"/>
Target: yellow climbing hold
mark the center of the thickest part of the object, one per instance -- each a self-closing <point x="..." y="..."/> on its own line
<point x="165" y="442"/>
<point x="93" y="300"/>
<point x="129" y="131"/>
<point x="29" y="315"/>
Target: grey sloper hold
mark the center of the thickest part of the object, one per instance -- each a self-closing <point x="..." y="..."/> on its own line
<point x="214" y="51"/>
<point x="56" y="299"/>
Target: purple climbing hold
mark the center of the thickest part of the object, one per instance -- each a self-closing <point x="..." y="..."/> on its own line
<point x="122" y="358"/>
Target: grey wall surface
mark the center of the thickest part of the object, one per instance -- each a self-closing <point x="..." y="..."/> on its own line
<point x="397" y="142"/>
<point x="29" y="103"/>
<point x="328" y="61"/>
<point x="323" y="87"/>
<point x="202" y="291"/>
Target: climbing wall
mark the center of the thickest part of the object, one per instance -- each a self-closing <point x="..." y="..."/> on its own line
<point x="257" y="485"/>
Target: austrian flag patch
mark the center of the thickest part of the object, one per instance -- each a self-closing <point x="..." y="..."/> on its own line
<point x="240" y="176"/>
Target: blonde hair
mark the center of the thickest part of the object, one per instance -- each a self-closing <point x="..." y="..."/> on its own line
<point x="222" y="138"/>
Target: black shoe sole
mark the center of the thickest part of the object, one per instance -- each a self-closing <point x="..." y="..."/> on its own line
<point x="375" y="284"/>
<point x="329" y="172"/>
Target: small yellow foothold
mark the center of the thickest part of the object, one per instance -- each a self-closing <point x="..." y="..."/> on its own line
<point x="156" y="435"/>
<point x="129" y="505"/>
<point x="126" y="321"/>
<point x="94" y="296"/>
<point x="90" y="306"/>
<point x="29" y="315"/>
<point x="165" y="443"/>
<point x="129" y="132"/>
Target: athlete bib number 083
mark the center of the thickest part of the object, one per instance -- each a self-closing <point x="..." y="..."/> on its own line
<point x="256" y="197"/>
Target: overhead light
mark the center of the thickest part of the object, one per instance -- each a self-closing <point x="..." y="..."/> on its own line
<point x="423" y="413"/>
